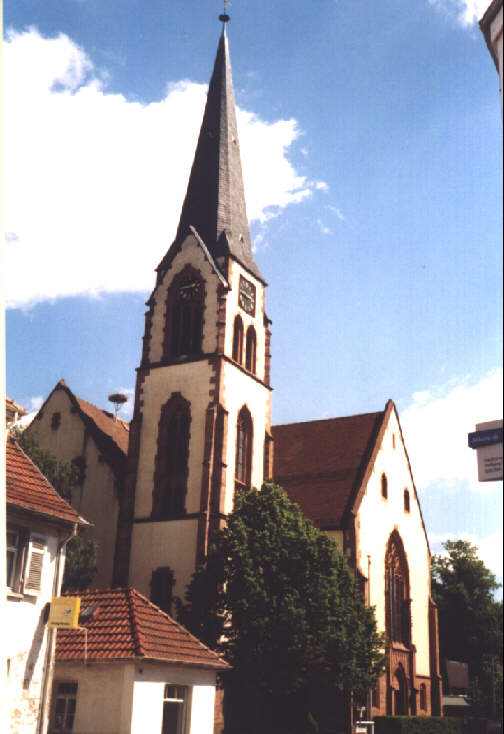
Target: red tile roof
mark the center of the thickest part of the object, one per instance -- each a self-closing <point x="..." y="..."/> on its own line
<point x="126" y="625"/>
<point x="13" y="410"/>
<point x="320" y="463"/>
<point x="117" y="430"/>
<point x="28" y="488"/>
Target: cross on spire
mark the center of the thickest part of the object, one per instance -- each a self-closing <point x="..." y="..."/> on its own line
<point x="224" y="16"/>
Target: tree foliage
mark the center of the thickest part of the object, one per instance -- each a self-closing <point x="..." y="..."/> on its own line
<point x="277" y="598"/>
<point x="81" y="552"/>
<point x="470" y="620"/>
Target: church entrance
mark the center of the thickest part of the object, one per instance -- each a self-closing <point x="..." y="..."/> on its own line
<point x="400" y="691"/>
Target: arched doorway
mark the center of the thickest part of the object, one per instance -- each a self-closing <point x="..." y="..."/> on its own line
<point x="400" y="693"/>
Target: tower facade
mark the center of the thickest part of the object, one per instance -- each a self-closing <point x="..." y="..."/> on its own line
<point x="201" y="424"/>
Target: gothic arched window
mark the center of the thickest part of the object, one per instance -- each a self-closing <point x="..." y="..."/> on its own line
<point x="238" y="340"/>
<point x="170" y="477"/>
<point x="250" y="350"/>
<point x="397" y="603"/>
<point x="184" y="315"/>
<point x="244" y="435"/>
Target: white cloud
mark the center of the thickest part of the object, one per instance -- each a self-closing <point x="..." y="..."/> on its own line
<point x="36" y="403"/>
<point x="94" y="182"/>
<point x="436" y="424"/>
<point x="323" y="228"/>
<point x="322" y="186"/>
<point x="489" y="547"/>
<point x="336" y="210"/>
<point x="468" y="12"/>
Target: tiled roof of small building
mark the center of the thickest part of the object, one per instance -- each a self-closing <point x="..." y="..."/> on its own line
<point x="126" y="625"/>
<point x="117" y="430"/>
<point x="13" y="410"/>
<point x="320" y="463"/>
<point x="28" y="489"/>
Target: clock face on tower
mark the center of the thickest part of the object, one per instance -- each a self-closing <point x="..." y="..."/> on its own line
<point x="247" y="296"/>
<point x="189" y="288"/>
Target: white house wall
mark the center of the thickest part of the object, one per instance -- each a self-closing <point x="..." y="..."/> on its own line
<point x="377" y="519"/>
<point x="150" y="680"/>
<point x="25" y="634"/>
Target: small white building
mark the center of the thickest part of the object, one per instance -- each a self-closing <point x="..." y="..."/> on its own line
<point x="39" y="522"/>
<point x="130" y="669"/>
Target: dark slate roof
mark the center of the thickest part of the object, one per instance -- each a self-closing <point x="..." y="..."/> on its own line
<point x="29" y="490"/>
<point x="126" y="625"/>
<point x="320" y="464"/>
<point x="215" y="200"/>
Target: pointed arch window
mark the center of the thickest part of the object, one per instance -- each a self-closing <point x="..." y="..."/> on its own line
<point x="397" y="600"/>
<point x="244" y="436"/>
<point x="406" y="500"/>
<point x="170" y="478"/>
<point x="184" y="314"/>
<point x="250" y="350"/>
<point x="238" y="340"/>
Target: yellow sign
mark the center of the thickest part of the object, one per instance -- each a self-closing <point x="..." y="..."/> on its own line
<point x="65" y="612"/>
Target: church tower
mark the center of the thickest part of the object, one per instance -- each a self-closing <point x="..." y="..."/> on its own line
<point x="201" y="424"/>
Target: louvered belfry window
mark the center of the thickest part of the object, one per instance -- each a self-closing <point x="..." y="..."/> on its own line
<point x="250" y="350"/>
<point x="184" y="315"/>
<point x="170" y="480"/>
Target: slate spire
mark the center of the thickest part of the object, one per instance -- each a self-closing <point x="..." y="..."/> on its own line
<point x="215" y="200"/>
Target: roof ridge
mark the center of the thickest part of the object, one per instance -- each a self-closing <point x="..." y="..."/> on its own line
<point x="326" y="420"/>
<point x="135" y="624"/>
<point x="172" y="620"/>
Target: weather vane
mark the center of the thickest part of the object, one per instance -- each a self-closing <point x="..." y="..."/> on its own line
<point x="225" y="17"/>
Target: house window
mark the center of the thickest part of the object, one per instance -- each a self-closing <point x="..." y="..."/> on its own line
<point x="184" y="309"/>
<point x="375" y="697"/>
<point x="423" y="697"/>
<point x="25" y="560"/>
<point x="174" y="709"/>
<point x="170" y="479"/>
<point x="250" y="350"/>
<point x="244" y="434"/>
<point x="406" y="501"/>
<point x="397" y="592"/>
<point x="238" y="340"/>
<point x="384" y="486"/>
<point x="12" y="557"/>
<point x="64" y="705"/>
<point x="55" y="421"/>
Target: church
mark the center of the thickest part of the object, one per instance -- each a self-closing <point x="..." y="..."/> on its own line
<point x="201" y="429"/>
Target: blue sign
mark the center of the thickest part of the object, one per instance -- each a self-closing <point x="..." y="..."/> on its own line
<point x="484" y="438"/>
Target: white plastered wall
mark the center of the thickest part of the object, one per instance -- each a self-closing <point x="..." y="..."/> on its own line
<point x="150" y="679"/>
<point x="25" y="634"/>
<point x="96" y="499"/>
<point x="377" y="519"/>
<point x="104" y="695"/>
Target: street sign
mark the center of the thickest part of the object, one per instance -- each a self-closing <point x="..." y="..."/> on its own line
<point x="65" y="612"/>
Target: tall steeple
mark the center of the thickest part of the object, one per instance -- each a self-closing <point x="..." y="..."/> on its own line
<point x="215" y="201"/>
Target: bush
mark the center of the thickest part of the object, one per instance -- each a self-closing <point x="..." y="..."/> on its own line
<point x="417" y="725"/>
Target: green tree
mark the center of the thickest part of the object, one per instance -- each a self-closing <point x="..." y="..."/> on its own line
<point x="277" y="598"/>
<point x="81" y="553"/>
<point x="470" y="620"/>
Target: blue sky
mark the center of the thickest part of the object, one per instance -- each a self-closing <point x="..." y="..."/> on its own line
<point x="371" y="145"/>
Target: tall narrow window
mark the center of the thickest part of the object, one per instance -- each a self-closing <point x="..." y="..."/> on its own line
<point x="162" y="583"/>
<point x="384" y="486"/>
<point x="184" y="309"/>
<point x="174" y="709"/>
<point x="406" y="501"/>
<point x="238" y="340"/>
<point x="244" y="435"/>
<point x="170" y="479"/>
<point x="397" y="592"/>
<point x="64" y="705"/>
<point x="423" y="697"/>
<point x="250" y="350"/>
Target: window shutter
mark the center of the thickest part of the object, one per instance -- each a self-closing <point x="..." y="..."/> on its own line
<point x="33" y="575"/>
